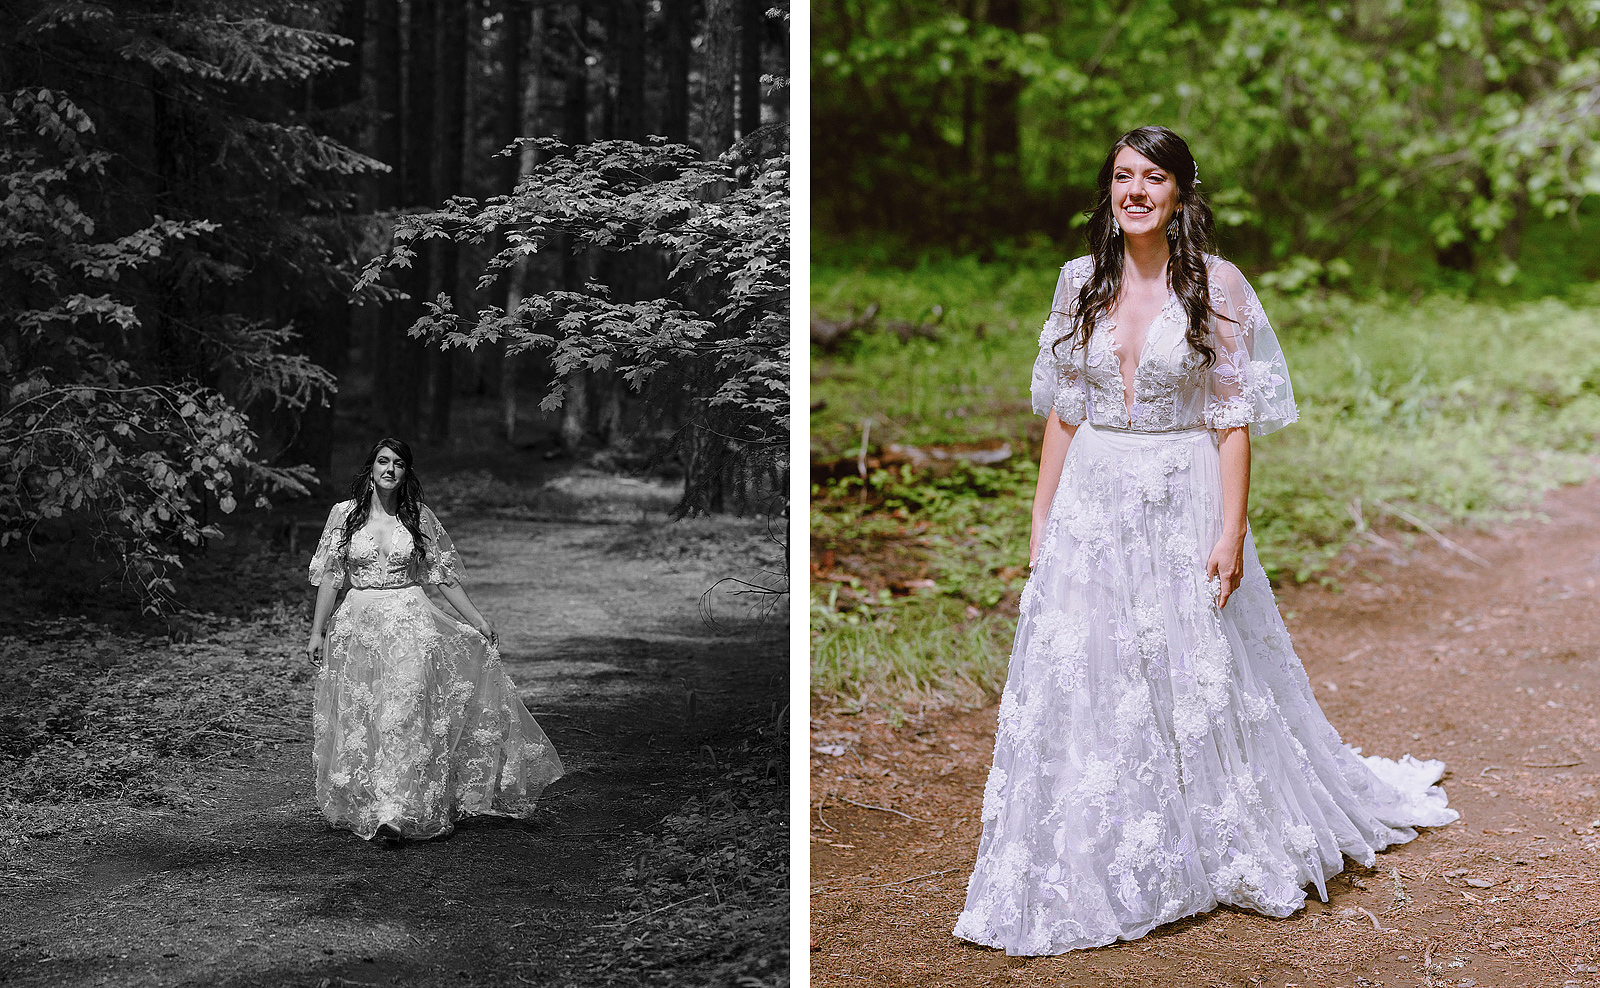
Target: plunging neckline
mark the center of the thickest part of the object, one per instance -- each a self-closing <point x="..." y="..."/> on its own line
<point x="383" y="550"/>
<point x="1130" y="383"/>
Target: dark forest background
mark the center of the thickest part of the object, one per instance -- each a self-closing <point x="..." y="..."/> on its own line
<point x="192" y="190"/>
<point x="1442" y="144"/>
<point x="1412" y="188"/>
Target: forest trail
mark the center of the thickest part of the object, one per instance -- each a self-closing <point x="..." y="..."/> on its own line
<point x="1495" y="669"/>
<point x="646" y="704"/>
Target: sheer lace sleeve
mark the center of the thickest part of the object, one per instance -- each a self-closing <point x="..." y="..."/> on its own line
<point x="441" y="564"/>
<point x="1249" y="383"/>
<point x="327" y="563"/>
<point x="1057" y="381"/>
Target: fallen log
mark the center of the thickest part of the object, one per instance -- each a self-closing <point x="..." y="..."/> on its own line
<point x="939" y="459"/>
<point x="830" y="335"/>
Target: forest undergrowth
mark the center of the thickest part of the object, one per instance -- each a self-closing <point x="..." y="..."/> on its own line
<point x="702" y="891"/>
<point x="112" y="721"/>
<point x="1415" y="414"/>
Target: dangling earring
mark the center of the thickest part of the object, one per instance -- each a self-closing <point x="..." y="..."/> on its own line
<point x="1172" y="225"/>
<point x="1116" y="228"/>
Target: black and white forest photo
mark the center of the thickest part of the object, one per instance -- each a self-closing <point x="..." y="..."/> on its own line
<point x="394" y="512"/>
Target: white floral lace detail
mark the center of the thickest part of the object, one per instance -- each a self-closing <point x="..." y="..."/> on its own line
<point x="1156" y="756"/>
<point x="1173" y="389"/>
<point x="364" y="564"/>
<point x="415" y="721"/>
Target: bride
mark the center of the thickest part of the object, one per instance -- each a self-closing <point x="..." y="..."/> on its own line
<point x="415" y="721"/>
<point x="1159" y="751"/>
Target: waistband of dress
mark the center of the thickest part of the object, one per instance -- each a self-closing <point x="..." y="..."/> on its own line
<point x="408" y="586"/>
<point x="1171" y="435"/>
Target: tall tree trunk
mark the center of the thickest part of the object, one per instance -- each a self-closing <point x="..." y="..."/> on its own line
<point x="386" y="90"/>
<point x="450" y="116"/>
<point x="752" y="26"/>
<point x="524" y="118"/>
<point x="721" y="61"/>
<point x="404" y="390"/>
<point x="679" y="16"/>
<point x="620" y="271"/>
<point x="324" y="323"/>
<point x="1001" y="133"/>
<point x="574" y="42"/>
<point x="969" y="104"/>
<point x="574" y="266"/>
<point x="628" y="43"/>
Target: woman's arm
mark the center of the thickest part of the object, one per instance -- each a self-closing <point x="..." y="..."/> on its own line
<point x="1227" y="558"/>
<point x="326" y="594"/>
<point x="457" y="596"/>
<point x="1057" y="439"/>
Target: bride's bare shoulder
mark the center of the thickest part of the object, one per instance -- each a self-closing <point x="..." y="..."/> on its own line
<point x="1220" y="268"/>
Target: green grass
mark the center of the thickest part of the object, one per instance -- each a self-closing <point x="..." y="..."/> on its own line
<point x="1460" y="412"/>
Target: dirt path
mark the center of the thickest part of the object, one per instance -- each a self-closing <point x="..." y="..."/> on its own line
<point x="1494" y="669"/>
<point x="252" y="888"/>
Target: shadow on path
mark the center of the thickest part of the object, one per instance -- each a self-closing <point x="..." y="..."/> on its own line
<point x="254" y="888"/>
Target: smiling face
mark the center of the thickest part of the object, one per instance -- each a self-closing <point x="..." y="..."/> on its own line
<point x="388" y="470"/>
<point x="1144" y="196"/>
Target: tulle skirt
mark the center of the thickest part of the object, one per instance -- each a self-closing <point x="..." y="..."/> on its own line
<point x="1157" y="756"/>
<point x="417" y="724"/>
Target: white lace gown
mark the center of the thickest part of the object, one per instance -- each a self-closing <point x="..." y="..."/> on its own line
<point x="416" y="723"/>
<point x="1157" y="756"/>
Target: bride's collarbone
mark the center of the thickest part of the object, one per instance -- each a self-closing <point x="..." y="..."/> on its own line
<point x="382" y="534"/>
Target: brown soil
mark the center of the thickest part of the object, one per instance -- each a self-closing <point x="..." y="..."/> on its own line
<point x="248" y="886"/>
<point x="1493" y="669"/>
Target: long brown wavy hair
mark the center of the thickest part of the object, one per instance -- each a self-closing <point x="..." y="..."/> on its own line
<point x="1190" y="236"/>
<point x="408" y="502"/>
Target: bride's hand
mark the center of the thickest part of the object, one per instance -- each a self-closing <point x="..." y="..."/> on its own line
<point x="1226" y="565"/>
<point x="314" y="647"/>
<point x="486" y="629"/>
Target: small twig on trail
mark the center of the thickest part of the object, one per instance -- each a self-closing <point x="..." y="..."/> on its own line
<point x="884" y="809"/>
<point x="40" y="880"/>
<point x="1592" y="919"/>
<point x="1354" y="507"/>
<point x="824" y="822"/>
<point x="1350" y="655"/>
<point x="226" y="751"/>
<point x="593" y="833"/>
<point x="1370" y="916"/>
<point x="1553" y="764"/>
<point x="1432" y="532"/>
<point x="618" y="926"/>
<point x="861" y="459"/>
<point x="1491" y="768"/>
<point x="885" y="885"/>
<point x="249" y="734"/>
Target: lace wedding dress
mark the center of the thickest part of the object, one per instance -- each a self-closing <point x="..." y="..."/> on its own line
<point x="416" y="722"/>
<point x="1157" y="756"/>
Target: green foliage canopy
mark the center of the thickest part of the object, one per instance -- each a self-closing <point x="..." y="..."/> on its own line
<point x="1319" y="128"/>
<point x="720" y="331"/>
<point x="167" y="215"/>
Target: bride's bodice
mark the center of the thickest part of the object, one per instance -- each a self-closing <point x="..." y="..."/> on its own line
<point x="1173" y="387"/>
<point x="366" y="564"/>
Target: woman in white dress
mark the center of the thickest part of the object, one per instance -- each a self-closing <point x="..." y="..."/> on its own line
<point x="1159" y="751"/>
<point x="416" y="722"/>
